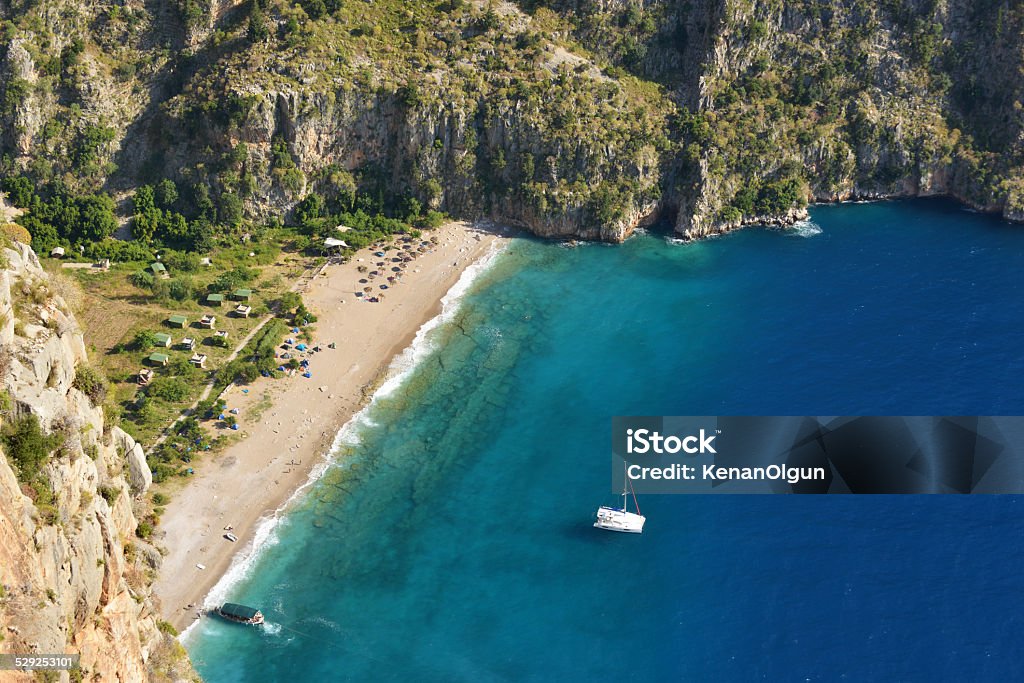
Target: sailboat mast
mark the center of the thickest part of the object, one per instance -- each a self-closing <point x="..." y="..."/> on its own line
<point x="625" y="484"/>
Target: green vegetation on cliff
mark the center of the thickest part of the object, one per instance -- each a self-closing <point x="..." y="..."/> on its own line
<point x="840" y="99"/>
<point x="571" y="117"/>
<point x="467" y="108"/>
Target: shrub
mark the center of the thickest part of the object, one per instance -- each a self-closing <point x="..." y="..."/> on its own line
<point x="143" y="279"/>
<point x="119" y="251"/>
<point x="730" y="214"/>
<point x="144" y="530"/>
<point x="169" y="389"/>
<point x="166" y="627"/>
<point x="15" y="232"/>
<point x="161" y="471"/>
<point x="109" y="493"/>
<point x="233" y="278"/>
<point x="185" y="262"/>
<point x="303" y="316"/>
<point x="288" y="302"/>
<point x="28" y="446"/>
<point x="182" y="367"/>
<point x="143" y="340"/>
<point x="91" y="383"/>
<point x="180" y="288"/>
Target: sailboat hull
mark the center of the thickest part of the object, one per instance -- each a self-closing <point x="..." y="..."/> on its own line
<point x="611" y="519"/>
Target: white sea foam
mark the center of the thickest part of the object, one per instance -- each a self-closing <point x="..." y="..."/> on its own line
<point x="805" y="228"/>
<point x="421" y="345"/>
<point x="264" y="536"/>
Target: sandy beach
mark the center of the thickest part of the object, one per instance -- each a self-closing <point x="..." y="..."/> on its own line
<point x="295" y="419"/>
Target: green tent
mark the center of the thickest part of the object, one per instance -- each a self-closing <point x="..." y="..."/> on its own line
<point x="241" y="294"/>
<point x="158" y="267"/>
<point x="159" y="358"/>
<point x="215" y="299"/>
<point x="177" y="320"/>
<point x="162" y="339"/>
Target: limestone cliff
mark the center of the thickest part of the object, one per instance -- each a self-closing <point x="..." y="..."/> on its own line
<point x="569" y="117"/>
<point x="74" y="577"/>
<point x="861" y="101"/>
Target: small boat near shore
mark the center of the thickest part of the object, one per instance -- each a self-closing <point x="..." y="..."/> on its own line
<point x="240" y="614"/>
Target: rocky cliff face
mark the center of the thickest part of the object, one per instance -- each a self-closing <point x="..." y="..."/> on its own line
<point x="859" y="101"/>
<point x="74" y="576"/>
<point x="569" y="117"/>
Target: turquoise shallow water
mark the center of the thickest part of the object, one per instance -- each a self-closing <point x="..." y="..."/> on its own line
<point x="453" y="543"/>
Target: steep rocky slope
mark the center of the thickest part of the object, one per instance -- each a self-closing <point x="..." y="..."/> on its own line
<point x="74" y="575"/>
<point x="570" y="117"/>
<point x="806" y="101"/>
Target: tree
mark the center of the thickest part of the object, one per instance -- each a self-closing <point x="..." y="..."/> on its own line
<point x="203" y="203"/>
<point x="312" y="206"/>
<point x="315" y="9"/>
<point x="44" y="235"/>
<point x="144" y="199"/>
<point x="166" y="193"/>
<point x="173" y="228"/>
<point x="344" y="185"/>
<point x="288" y="302"/>
<point x="20" y="191"/>
<point x="143" y="340"/>
<point x="409" y="95"/>
<point x="230" y="208"/>
<point x="147" y="216"/>
<point x="259" y="30"/>
<point x="97" y="217"/>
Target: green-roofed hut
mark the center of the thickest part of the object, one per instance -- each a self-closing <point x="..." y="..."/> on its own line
<point x="159" y="358"/>
<point x="158" y="267"/>
<point x="162" y="339"/>
<point x="240" y="613"/>
<point x="241" y="294"/>
<point x="214" y="299"/>
<point x="177" y="321"/>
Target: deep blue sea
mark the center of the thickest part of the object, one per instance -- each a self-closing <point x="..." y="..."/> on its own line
<point x="453" y="541"/>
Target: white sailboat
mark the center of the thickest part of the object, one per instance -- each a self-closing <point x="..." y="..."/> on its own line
<point x="615" y="519"/>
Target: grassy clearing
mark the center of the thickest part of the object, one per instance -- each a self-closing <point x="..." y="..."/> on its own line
<point x="116" y="308"/>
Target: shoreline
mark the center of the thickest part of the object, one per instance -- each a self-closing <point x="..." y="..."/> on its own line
<point x="798" y="216"/>
<point x="286" y="444"/>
